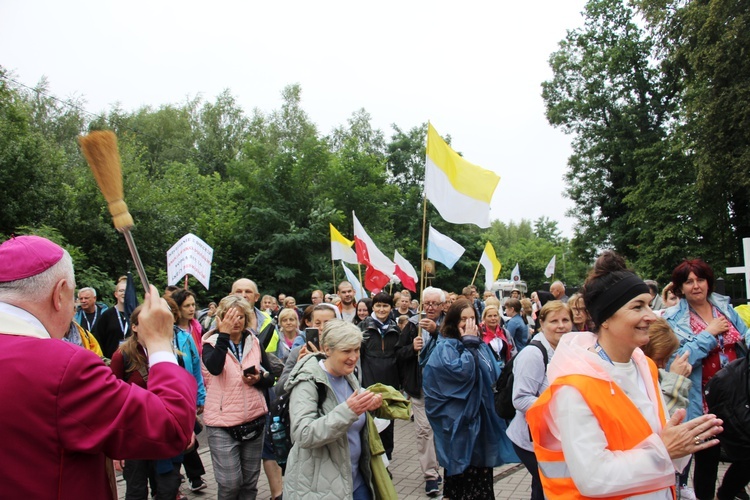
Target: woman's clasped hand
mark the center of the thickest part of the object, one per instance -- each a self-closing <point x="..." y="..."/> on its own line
<point x="683" y="439"/>
<point x="360" y="402"/>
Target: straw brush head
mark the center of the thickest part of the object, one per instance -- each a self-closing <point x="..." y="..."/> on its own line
<point x="100" y="150"/>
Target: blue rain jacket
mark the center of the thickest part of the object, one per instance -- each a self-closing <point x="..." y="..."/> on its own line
<point x="459" y="403"/>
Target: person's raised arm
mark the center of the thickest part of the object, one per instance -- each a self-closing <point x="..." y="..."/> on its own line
<point x="155" y="328"/>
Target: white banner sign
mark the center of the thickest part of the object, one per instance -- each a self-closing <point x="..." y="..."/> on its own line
<point x="190" y="255"/>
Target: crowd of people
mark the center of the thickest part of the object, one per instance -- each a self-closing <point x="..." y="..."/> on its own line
<point x="608" y="386"/>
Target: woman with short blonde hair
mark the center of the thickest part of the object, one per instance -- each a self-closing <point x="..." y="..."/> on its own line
<point x="331" y="453"/>
<point x="492" y="333"/>
<point x="530" y="380"/>
<point x="235" y="370"/>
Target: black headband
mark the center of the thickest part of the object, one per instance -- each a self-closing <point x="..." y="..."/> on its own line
<point x="617" y="294"/>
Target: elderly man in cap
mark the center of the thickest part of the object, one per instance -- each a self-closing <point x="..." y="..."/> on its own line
<point x="63" y="410"/>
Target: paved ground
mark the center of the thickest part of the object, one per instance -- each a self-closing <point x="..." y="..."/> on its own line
<point x="511" y="481"/>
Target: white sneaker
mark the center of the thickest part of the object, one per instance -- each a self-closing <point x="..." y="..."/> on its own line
<point x="685" y="493"/>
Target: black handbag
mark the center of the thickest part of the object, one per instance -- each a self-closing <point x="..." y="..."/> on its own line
<point x="249" y="431"/>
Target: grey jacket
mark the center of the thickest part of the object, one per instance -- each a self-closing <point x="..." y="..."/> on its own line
<point x="675" y="389"/>
<point x="529" y="381"/>
<point x="319" y="463"/>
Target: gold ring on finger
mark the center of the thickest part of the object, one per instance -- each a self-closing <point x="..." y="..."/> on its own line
<point x="698" y="441"/>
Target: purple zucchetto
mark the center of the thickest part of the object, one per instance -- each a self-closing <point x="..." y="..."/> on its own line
<point x="25" y="256"/>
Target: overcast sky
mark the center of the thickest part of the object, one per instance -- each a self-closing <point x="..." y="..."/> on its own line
<point x="473" y="68"/>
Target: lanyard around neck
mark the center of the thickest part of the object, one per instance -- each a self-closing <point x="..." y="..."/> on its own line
<point x="122" y="321"/>
<point x="237" y="349"/>
<point x="91" y="324"/>
<point x="602" y="353"/>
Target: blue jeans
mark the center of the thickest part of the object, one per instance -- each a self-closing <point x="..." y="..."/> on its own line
<point x="361" y="493"/>
<point x="529" y="461"/>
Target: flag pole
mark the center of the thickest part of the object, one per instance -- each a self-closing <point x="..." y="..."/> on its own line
<point x="359" y="272"/>
<point x="424" y="230"/>
<point x="333" y="272"/>
<point x="476" y="272"/>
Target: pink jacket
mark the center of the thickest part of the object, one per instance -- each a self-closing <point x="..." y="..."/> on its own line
<point x="196" y="330"/>
<point x="229" y="400"/>
<point x="64" y="411"/>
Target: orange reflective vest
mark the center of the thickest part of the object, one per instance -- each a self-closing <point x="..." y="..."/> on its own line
<point x="622" y="423"/>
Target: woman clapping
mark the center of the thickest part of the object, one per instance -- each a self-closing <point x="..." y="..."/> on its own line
<point x="601" y="429"/>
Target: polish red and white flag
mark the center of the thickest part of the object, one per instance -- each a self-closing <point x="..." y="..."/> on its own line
<point x="379" y="267"/>
<point x="405" y="272"/>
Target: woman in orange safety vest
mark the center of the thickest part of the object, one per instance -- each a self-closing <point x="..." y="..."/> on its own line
<point x="601" y="429"/>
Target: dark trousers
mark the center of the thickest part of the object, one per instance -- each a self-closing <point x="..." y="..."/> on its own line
<point x="193" y="464"/>
<point x="529" y="460"/>
<point x="706" y="470"/>
<point x="387" y="438"/>
<point x="168" y="484"/>
<point x="735" y="479"/>
<point x="136" y="474"/>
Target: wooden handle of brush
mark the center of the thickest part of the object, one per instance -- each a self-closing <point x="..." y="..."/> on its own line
<point x="136" y="257"/>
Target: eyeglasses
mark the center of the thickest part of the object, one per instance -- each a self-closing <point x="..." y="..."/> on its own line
<point x="432" y="305"/>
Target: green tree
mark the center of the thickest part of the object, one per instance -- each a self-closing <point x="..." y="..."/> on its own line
<point x="220" y="129"/>
<point x="32" y="169"/>
<point x="626" y="175"/>
<point x="547" y="230"/>
<point x="706" y="42"/>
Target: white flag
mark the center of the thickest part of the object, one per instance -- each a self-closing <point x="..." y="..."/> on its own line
<point x="550" y="267"/>
<point x="515" y="274"/>
<point x="359" y="292"/>
<point x="443" y="249"/>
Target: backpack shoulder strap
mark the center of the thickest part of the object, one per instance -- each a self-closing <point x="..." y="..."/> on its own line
<point x="143" y="370"/>
<point x="125" y="361"/>
<point x="544" y="352"/>
<point x="266" y="334"/>
<point x="322" y="389"/>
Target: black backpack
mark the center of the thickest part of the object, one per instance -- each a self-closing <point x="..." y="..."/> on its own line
<point x="280" y="408"/>
<point x="504" y="385"/>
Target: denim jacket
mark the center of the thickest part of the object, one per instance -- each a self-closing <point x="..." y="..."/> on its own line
<point x="700" y="345"/>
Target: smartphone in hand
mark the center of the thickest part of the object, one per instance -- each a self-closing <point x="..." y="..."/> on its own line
<point x="312" y="335"/>
<point x="250" y="371"/>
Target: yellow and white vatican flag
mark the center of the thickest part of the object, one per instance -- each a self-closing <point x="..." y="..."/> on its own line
<point x="460" y="191"/>
<point x="341" y="248"/>
<point x="492" y="266"/>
